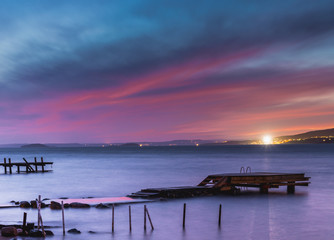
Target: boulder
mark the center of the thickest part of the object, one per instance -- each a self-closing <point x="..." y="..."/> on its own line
<point x="102" y="206"/>
<point x="55" y="205"/>
<point x="79" y="205"/>
<point x="48" y="233"/>
<point x="74" y="231"/>
<point x="33" y="203"/>
<point x="36" y="233"/>
<point x="25" y="204"/>
<point x="9" y="232"/>
<point x="21" y="232"/>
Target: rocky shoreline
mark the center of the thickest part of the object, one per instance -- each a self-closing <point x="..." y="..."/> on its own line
<point x="56" y="205"/>
<point x="30" y="230"/>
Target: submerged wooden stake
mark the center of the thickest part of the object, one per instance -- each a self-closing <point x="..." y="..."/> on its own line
<point x="40" y="216"/>
<point x="24" y="221"/>
<point x="220" y="215"/>
<point x="149" y="218"/>
<point x="145" y="217"/>
<point x="63" y="216"/>
<point x="130" y="227"/>
<point x="184" y="215"/>
<point x="113" y="218"/>
<point x="38" y="213"/>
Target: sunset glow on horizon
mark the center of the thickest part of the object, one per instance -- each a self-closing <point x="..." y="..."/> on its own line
<point x="141" y="71"/>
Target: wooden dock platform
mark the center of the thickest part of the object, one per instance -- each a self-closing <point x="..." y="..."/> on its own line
<point x="25" y="166"/>
<point x="229" y="183"/>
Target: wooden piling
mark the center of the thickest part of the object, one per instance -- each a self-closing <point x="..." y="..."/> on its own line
<point x="40" y="220"/>
<point x="38" y="213"/>
<point x="291" y="188"/>
<point x="10" y="165"/>
<point x="149" y="218"/>
<point x="42" y="161"/>
<point x="220" y="215"/>
<point x="145" y="217"/>
<point x="113" y="219"/>
<point x="5" y="164"/>
<point x="63" y="216"/>
<point x="130" y="226"/>
<point x="264" y="189"/>
<point x="184" y="215"/>
<point x="24" y="225"/>
<point x="36" y="169"/>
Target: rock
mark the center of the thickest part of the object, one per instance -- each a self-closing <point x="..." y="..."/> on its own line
<point x="17" y="203"/>
<point x="74" y="231"/>
<point x="33" y="203"/>
<point x="55" y="205"/>
<point x="102" y="206"/>
<point x="13" y="201"/>
<point x="36" y="233"/>
<point x="21" y="233"/>
<point x="9" y="232"/>
<point x="48" y="233"/>
<point x="79" y="205"/>
<point x="25" y="204"/>
<point x="66" y="205"/>
<point x="30" y="226"/>
<point x="92" y="232"/>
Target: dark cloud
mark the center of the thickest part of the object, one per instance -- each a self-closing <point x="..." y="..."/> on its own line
<point x="179" y="33"/>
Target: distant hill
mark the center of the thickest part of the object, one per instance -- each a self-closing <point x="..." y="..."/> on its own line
<point x="35" y="145"/>
<point x="311" y="134"/>
<point x="130" y="145"/>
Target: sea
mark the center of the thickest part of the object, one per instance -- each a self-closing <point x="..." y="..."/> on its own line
<point x="117" y="172"/>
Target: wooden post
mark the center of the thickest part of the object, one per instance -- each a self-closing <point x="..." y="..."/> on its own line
<point x="130" y="227"/>
<point x="24" y="225"/>
<point x="63" y="216"/>
<point x="113" y="218"/>
<point x="264" y="189"/>
<point x="39" y="212"/>
<point x="40" y="216"/>
<point x="149" y="218"/>
<point x="5" y="165"/>
<point x="184" y="215"/>
<point x="36" y="169"/>
<point x="42" y="164"/>
<point x="145" y="217"/>
<point x="291" y="188"/>
<point x="10" y="165"/>
<point x="220" y="215"/>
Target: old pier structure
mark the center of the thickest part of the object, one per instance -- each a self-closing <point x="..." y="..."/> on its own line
<point x="229" y="183"/>
<point x="25" y="166"/>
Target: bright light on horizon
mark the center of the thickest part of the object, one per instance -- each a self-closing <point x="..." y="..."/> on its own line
<point x="267" y="139"/>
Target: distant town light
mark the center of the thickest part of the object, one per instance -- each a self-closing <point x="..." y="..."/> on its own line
<point x="267" y="139"/>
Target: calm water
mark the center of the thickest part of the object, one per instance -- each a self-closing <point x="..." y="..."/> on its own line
<point x="113" y="172"/>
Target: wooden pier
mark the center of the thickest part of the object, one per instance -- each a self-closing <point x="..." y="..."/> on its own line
<point x="229" y="183"/>
<point x="25" y="166"/>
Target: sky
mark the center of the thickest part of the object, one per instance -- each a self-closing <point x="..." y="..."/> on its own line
<point x="130" y="70"/>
